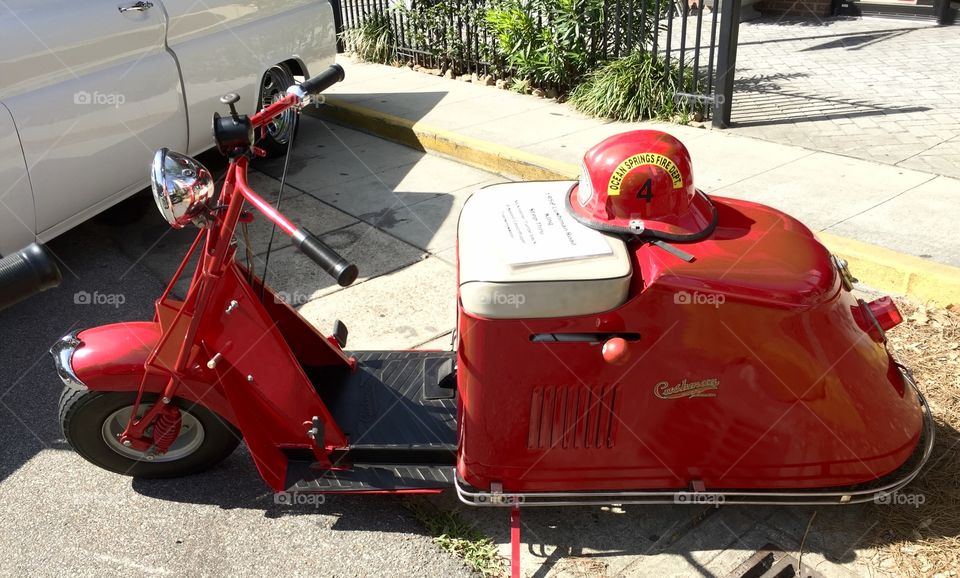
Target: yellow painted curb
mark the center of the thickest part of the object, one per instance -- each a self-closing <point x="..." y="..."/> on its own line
<point x="877" y="267"/>
<point x="470" y="151"/>
<point x="898" y="273"/>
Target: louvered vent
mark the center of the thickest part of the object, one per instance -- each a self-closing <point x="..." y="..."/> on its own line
<point x="573" y="417"/>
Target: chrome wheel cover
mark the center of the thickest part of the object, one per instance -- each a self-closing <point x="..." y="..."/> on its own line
<point x="274" y="88"/>
<point x="188" y="441"/>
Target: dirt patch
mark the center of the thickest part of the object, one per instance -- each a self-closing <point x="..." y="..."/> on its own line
<point x="924" y="540"/>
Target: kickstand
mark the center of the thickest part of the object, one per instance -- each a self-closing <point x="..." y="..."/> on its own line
<point x="515" y="540"/>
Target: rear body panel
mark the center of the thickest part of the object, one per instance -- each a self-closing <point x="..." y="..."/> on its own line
<point x="753" y="370"/>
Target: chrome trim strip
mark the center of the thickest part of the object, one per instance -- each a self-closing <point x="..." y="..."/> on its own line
<point x="62" y="352"/>
<point x="797" y="498"/>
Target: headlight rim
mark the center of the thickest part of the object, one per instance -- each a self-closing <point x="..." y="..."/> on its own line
<point x="181" y="198"/>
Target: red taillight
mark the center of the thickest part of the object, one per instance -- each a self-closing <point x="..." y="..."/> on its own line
<point x="885" y="311"/>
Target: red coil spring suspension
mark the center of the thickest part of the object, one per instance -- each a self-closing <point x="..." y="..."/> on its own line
<point x="166" y="429"/>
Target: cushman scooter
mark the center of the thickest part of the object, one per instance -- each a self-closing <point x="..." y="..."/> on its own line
<point x="620" y="339"/>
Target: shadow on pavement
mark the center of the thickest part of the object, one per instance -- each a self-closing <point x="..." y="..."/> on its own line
<point x="815" y="22"/>
<point x="768" y="99"/>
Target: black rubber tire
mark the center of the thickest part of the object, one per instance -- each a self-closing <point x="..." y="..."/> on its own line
<point x="280" y="76"/>
<point x="82" y="413"/>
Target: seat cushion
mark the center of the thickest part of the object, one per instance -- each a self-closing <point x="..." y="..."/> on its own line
<point x="521" y="255"/>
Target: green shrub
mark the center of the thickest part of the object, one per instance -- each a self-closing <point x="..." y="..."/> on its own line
<point x="373" y="40"/>
<point x="631" y="89"/>
<point x="554" y="55"/>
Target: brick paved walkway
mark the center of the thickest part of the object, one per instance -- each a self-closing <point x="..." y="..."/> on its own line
<point x="880" y="89"/>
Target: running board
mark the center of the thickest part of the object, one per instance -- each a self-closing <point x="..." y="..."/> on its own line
<point x="369" y="478"/>
<point x="411" y="454"/>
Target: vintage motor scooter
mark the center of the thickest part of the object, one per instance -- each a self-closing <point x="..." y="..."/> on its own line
<point x="621" y="339"/>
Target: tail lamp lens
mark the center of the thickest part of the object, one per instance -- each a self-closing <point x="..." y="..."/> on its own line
<point x="885" y="311"/>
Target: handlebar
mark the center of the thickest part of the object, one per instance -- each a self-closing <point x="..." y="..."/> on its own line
<point x="297" y="92"/>
<point x="26" y="272"/>
<point x="339" y="268"/>
<point x="336" y="266"/>
<point x="324" y="80"/>
<point x="320" y="253"/>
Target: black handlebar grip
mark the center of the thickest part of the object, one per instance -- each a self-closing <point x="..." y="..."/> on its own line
<point x="324" y="80"/>
<point x="28" y="271"/>
<point x="336" y="266"/>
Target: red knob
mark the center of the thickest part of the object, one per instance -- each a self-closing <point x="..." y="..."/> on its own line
<point x="615" y="351"/>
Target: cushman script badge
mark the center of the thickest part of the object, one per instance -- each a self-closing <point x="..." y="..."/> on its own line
<point x="704" y="388"/>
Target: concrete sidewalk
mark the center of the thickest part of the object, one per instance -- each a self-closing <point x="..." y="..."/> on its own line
<point x="880" y="89"/>
<point x="901" y="210"/>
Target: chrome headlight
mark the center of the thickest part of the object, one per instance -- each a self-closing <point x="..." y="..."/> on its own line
<point x="182" y="188"/>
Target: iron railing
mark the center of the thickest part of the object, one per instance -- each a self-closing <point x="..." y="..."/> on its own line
<point x="696" y="42"/>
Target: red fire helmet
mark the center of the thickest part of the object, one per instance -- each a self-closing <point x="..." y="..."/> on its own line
<point x="641" y="183"/>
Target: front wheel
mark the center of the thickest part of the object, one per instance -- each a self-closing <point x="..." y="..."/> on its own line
<point x="92" y="422"/>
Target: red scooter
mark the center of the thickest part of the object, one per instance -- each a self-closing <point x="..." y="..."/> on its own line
<point x="621" y="339"/>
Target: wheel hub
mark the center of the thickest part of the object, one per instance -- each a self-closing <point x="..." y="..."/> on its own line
<point x="189" y="438"/>
<point x="272" y="91"/>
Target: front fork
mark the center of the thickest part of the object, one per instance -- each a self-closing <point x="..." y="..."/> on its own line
<point x="233" y="336"/>
<point x="163" y="415"/>
<point x="217" y="253"/>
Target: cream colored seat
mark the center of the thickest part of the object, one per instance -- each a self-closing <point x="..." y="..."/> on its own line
<point x="492" y="287"/>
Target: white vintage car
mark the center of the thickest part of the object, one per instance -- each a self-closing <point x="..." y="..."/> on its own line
<point x="90" y="90"/>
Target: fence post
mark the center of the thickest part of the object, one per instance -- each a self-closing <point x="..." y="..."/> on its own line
<point x="338" y="24"/>
<point x="726" y="62"/>
<point x="942" y="9"/>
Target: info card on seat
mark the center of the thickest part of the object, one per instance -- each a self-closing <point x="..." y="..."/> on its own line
<point x="536" y="228"/>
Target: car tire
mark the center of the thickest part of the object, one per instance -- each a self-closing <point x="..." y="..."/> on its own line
<point x="280" y="131"/>
<point x="91" y="420"/>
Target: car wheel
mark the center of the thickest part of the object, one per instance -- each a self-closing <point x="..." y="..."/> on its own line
<point x="92" y="422"/>
<point x="281" y="130"/>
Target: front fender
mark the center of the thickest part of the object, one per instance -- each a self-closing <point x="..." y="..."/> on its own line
<point x="112" y="358"/>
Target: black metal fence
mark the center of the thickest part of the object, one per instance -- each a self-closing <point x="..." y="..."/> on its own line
<point x="696" y="42"/>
